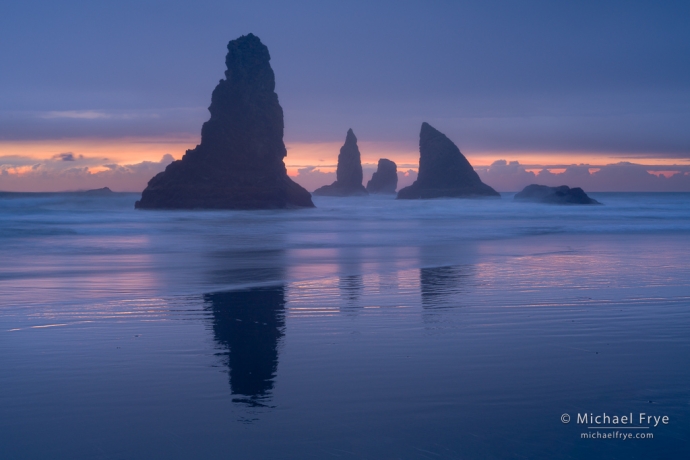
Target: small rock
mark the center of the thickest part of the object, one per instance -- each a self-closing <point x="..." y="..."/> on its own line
<point x="385" y="179"/>
<point x="554" y="195"/>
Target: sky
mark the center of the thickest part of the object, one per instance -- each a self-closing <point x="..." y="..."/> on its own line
<point x="592" y="94"/>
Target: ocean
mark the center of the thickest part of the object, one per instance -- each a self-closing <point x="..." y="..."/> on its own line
<point x="367" y="328"/>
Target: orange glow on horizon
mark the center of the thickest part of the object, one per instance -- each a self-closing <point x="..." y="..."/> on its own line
<point x="116" y="151"/>
<point x="321" y="155"/>
<point x="324" y="155"/>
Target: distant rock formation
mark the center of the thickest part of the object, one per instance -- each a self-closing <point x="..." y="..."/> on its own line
<point x="348" y="176"/>
<point x="98" y="191"/>
<point x="554" y="195"/>
<point x="239" y="163"/>
<point x="443" y="170"/>
<point x="385" y="179"/>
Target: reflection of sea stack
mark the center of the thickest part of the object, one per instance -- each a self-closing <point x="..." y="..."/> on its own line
<point x="443" y="170"/>
<point x="250" y="324"/>
<point x="239" y="163"/>
<point x="349" y="173"/>
<point x="441" y="286"/>
<point x="554" y="195"/>
<point x="385" y="179"/>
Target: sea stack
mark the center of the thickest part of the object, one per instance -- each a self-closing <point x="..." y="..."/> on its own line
<point x="554" y="195"/>
<point x="349" y="173"/>
<point x="443" y="170"/>
<point x="239" y="163"/>
<point x="385" y="179"/>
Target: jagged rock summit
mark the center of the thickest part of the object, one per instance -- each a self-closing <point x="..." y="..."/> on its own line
<point x="348" y="176"/>
<point x="443" y="170"/>
<point x="385" y="179"/>
<point x="554" y="195"/>
<point x="239" y="162"/>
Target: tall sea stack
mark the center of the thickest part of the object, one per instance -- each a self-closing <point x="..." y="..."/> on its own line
<point x="239" y="163"/>
<point x="349" y="173"/>
<point x="443" y="170"/>
<point x="385" y="179"/>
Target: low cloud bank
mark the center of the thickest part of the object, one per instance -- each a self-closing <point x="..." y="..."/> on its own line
<point x="67" y="171"/>
<point x="511" y="176"/>
<point x="620" y="177"/>
<point x="311" y="177"/>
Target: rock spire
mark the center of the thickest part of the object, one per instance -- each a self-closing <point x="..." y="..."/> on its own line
<point x="239" y="162"/>
<point x="349" y="173"/>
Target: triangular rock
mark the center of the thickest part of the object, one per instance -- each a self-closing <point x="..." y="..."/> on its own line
<point x="349" y="173"/>
<point x="443" y="170"/>
<point x="239" y="163"/>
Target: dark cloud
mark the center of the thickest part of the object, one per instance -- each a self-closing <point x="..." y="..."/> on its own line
<point x="67" y="156"/>
<point x="111" y="124"/>
<point x="56" y="162"/>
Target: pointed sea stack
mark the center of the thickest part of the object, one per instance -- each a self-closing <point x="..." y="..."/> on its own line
<point x="239" y="163"/>
<point x="443" y="170"/>
<point x="385" y="179"/>
<point x="349" y="173"/>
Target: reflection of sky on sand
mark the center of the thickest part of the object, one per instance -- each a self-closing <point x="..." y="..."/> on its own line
<point x="548" y="270"/>
<point x="352" y="293"/>
<point x="80" y="285"/>
<point x="539" y="271"/>
<point x="100" y="263"/>
<point x="311" y="263"/>
<point x="97" y="314"/>
<point x="239" y="336"/>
